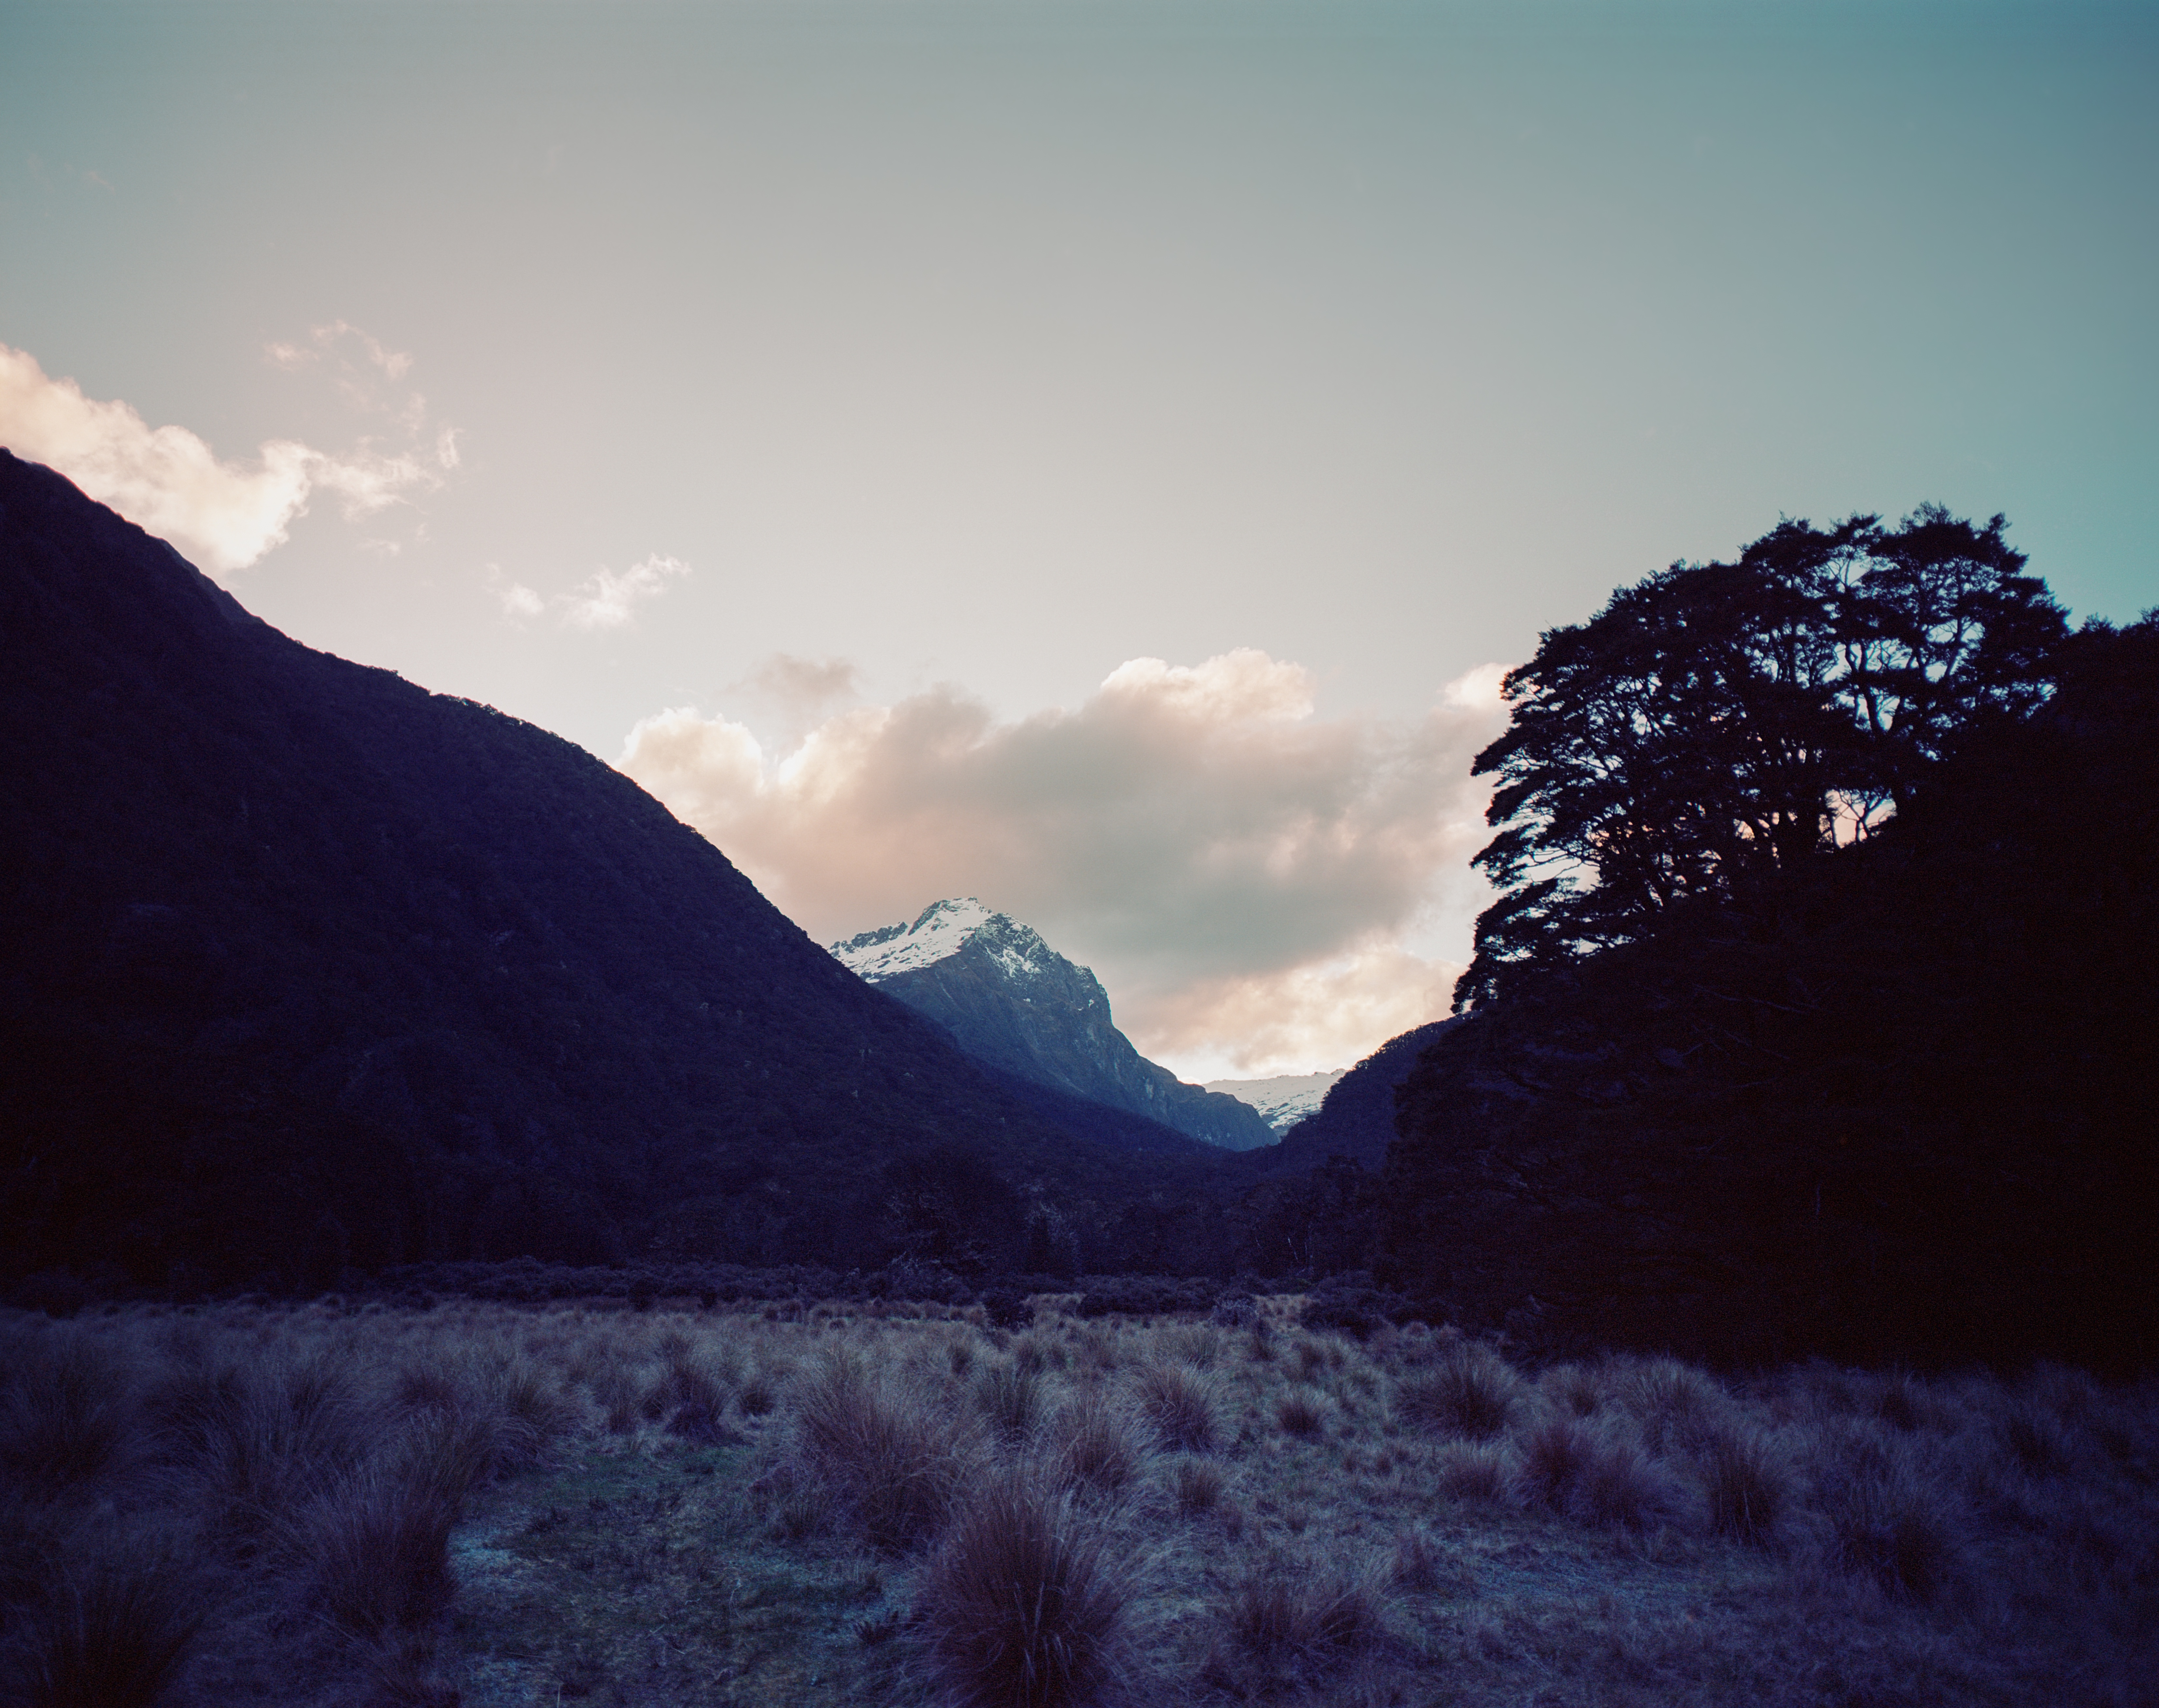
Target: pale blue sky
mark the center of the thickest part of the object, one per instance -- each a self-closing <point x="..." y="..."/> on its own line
<point x="999" y="344"/>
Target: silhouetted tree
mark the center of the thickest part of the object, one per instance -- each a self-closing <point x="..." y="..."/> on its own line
<point x="1719" y="721"/>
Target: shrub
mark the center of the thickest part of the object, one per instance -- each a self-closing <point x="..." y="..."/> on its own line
<point x="1180" y="1404"/>
<point x="1469" y="1392"/>
<point x="1745" y="1486"/>
<point x="1143" y="1296"/>
<point x="1236" y="1310"/>
<point x="1022" y="1608"/>
<point x="1004" y="1308"/>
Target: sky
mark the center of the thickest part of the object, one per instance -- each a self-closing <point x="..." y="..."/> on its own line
<point x="1097" y="458"/>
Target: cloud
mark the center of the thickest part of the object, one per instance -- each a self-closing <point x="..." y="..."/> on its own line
<point x="517" y="599"/>
<point x="1243" y="872"/>
<point x="608" y="600"/>
<point x="222" y="515"/>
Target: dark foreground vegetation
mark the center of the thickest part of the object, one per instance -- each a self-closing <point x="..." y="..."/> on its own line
<point x="886" y="1501"/>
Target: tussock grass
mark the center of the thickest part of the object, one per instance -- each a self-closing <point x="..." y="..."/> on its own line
<point x="893" y="1450"/>
<point x="1097" y="1449"/>
<point x="1180" y="1404"/>
<point x="1023" y="1607"/>
<point x="112" y="1636"/>
<point x="1010" y="1396"/>
<point x="317" y="1508"/>
<point x="1471" y="1392"/>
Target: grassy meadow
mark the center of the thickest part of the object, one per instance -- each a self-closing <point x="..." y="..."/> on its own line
<point x="499" y="1507"/>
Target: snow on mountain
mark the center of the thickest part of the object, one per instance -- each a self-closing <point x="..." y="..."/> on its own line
<point x="1014" y="1003"/>
<point x="1284" y="1101"/>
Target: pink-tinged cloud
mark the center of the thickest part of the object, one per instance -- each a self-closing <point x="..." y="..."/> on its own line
<point x="1240" y="871"/>
<point x="222" y="515"/>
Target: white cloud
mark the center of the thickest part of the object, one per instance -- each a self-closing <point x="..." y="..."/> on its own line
<point x="1243" y="872"/>
<point x="517" y="599"/>
<point x="608" y="600"/>
<point x="222" y="515"/>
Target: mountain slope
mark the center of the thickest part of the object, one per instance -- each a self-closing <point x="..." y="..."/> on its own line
<point x="1014" y="1003"/>
<point x="1357" y="1118"/>
<point x="303" y="968"/>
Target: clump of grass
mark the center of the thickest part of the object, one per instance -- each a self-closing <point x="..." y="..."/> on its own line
<point x="1291" y="1623"/>
<point x="1621" y="1487"/>
<point x="1310" y="1359"/>
<point x="1418" y="1561"/>
<point x="755" y="1398"/>
<point x="893" y="1452"/>
<point x="1888" y="1526"/>
<point x="2035" y="1438"/>
<point x="1559" y="1459"/>
<point x="1746" y="1489"/>
<point x="685" y="1384"/>
<point x="1097" y="1451"/>
<point x="1020" y="1606"/>
<point x="1180" y="1404"/>
<point x="1474" y="1471"/>
<point x="112" y="1636"/>
<point x="1010" y="1397"/>
<point x="1198" y="1485"/>
<point x="1675" y="1405"/>
<point x="1575" y="1388"/>
<point x="380" y="1550"/>
<point x="1301" y="1414"/>
<point x="65" y="1412"/>
<point x="1470" y="1392"/>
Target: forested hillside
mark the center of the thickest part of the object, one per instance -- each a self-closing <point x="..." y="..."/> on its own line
<point x="1817" y="1014"/>
<point x="304" y="970"/>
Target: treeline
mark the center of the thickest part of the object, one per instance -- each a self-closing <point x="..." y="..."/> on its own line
<point x="1817" y="1017"/>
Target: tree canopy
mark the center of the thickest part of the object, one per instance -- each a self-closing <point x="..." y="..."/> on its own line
<point x="1720" y="722"/>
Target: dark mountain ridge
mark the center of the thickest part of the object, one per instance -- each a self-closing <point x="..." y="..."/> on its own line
<point x="304" y="969"/>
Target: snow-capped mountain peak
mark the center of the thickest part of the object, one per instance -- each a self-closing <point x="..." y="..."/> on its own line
<point x="943" y="930"/>
<point x="1012" y="1002"/>
<point x="1284" y="1101"/>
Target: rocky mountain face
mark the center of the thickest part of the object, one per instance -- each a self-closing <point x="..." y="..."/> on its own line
<point x="1014" y="1003"/>
<point x="304" y="969"/>
<point x="1283" y="1100"/>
